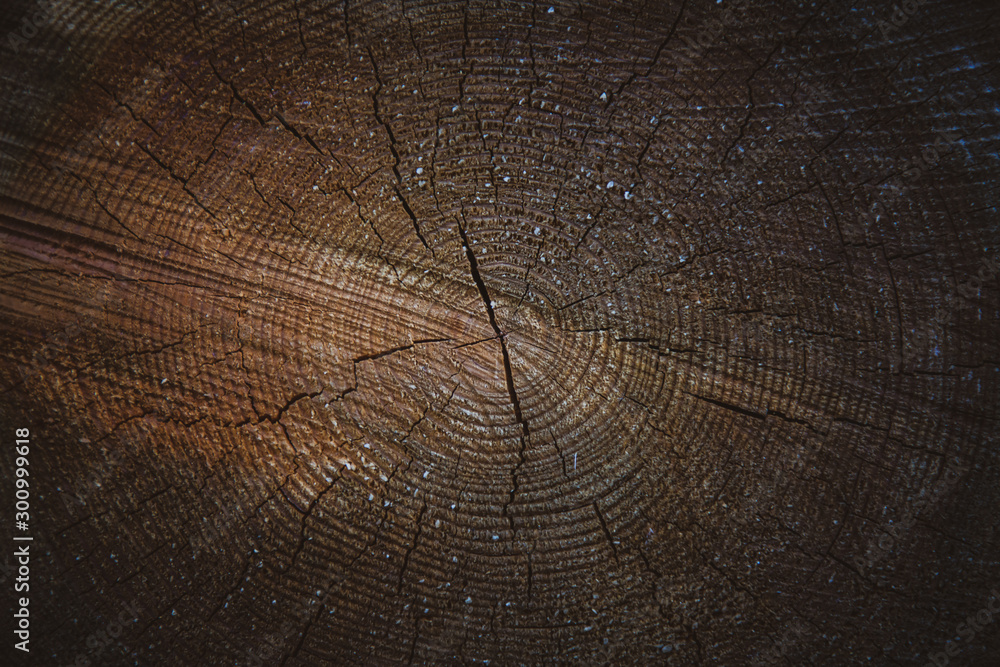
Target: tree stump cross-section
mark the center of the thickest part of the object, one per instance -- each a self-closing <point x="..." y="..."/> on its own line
<point x="502" y="333"/>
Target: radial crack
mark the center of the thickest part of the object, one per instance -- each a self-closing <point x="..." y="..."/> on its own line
<point x="508" y="372"/>
<point x="604" y="527"/>
<point x="395" y="153"/>
<point x="409" y="552"/>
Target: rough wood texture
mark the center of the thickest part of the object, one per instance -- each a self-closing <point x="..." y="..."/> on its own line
<point x="384" y="333"/>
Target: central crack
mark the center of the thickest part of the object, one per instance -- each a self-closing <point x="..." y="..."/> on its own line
<point x="508" y="373"/>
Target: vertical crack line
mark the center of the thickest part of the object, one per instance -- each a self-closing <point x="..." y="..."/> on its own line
<point x="392" y="149"/>
<point x="413" y="644"/>
<point x="508" y="372"/>
<point x="657" y="576"/>
<point x="305" y="517"/>
<point x="416" y="538"/>
<point x="604" y="527"/>
<point x="478" y="279"/>
<point x="530" y="576"/>
<point x="413" y="217"/>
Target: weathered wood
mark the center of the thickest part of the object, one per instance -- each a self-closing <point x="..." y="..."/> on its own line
<point x="453" y="332"/>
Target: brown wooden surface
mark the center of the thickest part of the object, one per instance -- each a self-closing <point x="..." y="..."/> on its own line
<point x="338" y="347"/>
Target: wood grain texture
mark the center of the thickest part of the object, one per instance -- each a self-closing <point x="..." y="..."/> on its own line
<point x="452" y="332"/>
